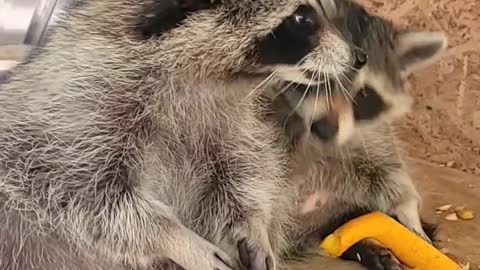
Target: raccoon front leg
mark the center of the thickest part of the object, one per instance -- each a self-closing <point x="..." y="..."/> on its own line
<point x="254" y="247"/>
<point x="138" y="230"/>
<point x="263" y="237"/>
<point x="398" y="196"/>
<point x="408" y="207"/>
<point x="384" y="182"/>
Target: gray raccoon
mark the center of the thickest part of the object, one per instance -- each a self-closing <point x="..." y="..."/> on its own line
<point x="131" y="138"/>
<point x="345" y="155"/>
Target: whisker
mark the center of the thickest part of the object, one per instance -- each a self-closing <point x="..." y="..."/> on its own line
<point x="295" y="108"/>
<point x="302" y="59"/>
<point x="314" y="108"/>
<point x="288" y="85"/>
<point x="326" y="91"/>
<point x="348" y="66"/>
<point x="264" y="82"/>
<point x="347" y="97"/>
<point x="344" y="90"/>
<point x="317" y="78"/>
<point x="329" y="93"/>
<point x="299" y="103"/>
<point x="348" y="78"/>
<point x="300" y="75"/>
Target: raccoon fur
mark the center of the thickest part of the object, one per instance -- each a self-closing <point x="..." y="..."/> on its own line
<point x="130" y="140"/>
<point x="345" y="158"/>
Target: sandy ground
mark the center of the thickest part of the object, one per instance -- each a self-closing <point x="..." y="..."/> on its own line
<point x="447" y="186"/>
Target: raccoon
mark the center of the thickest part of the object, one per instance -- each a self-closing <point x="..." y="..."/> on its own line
<point x="345" y="158"/>
<point x="130" y="140"/>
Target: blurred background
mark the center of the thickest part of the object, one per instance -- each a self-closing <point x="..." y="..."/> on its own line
<point x="441" y="135"/>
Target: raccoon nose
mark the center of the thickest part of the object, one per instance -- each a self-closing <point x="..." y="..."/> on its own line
<point x="324" y="129"/>
<point x="360" y="57"/>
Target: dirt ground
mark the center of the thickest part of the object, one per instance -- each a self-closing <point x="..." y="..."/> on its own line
<point x="446" y="186"/>
<point x="444" y="128"/>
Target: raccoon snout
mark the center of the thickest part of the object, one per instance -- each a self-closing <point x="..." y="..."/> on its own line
<point x="324" y="129"/>
<point x="360" y="58"/>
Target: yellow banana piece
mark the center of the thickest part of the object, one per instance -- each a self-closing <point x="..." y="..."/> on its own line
<point x="408" y="247"/>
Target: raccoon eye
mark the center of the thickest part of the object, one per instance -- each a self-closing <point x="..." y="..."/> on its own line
<point x="304" y="21"/>
<point x="368" y="104"/>
<point x="292" y="40"/>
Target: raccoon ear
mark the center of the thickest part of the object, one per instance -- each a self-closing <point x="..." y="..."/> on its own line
<point x="168" y="14"/>
<point x="418" y="50"/>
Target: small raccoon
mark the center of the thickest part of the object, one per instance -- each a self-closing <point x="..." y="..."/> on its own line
<point x="131" y="138"/>
<point x="345" y="157"/>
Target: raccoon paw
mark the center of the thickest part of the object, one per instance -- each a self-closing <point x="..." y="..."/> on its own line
<point x="194" y="252"/>
<point x="253" y="257"/>
<point x="373" y="257"/>
<point x="210" y="258"/>
<point x="167" y="264"/>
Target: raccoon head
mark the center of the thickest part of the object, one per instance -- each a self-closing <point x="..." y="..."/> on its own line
<point x="226" y="39"/>
<point x="377" y="94"/>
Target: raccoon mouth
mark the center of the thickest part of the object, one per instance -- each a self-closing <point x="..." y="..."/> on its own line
<point x="321" y="83"/>
<point x="318" y="87"/>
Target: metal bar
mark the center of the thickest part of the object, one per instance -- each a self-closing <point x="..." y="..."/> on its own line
<point x="40" y="21"/>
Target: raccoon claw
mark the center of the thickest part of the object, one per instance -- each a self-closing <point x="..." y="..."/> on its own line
<point x="373" y="257"/>
<point x="252" y="258"/>
<point x="389" y="262"/>
<point x="200" y="254"/>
